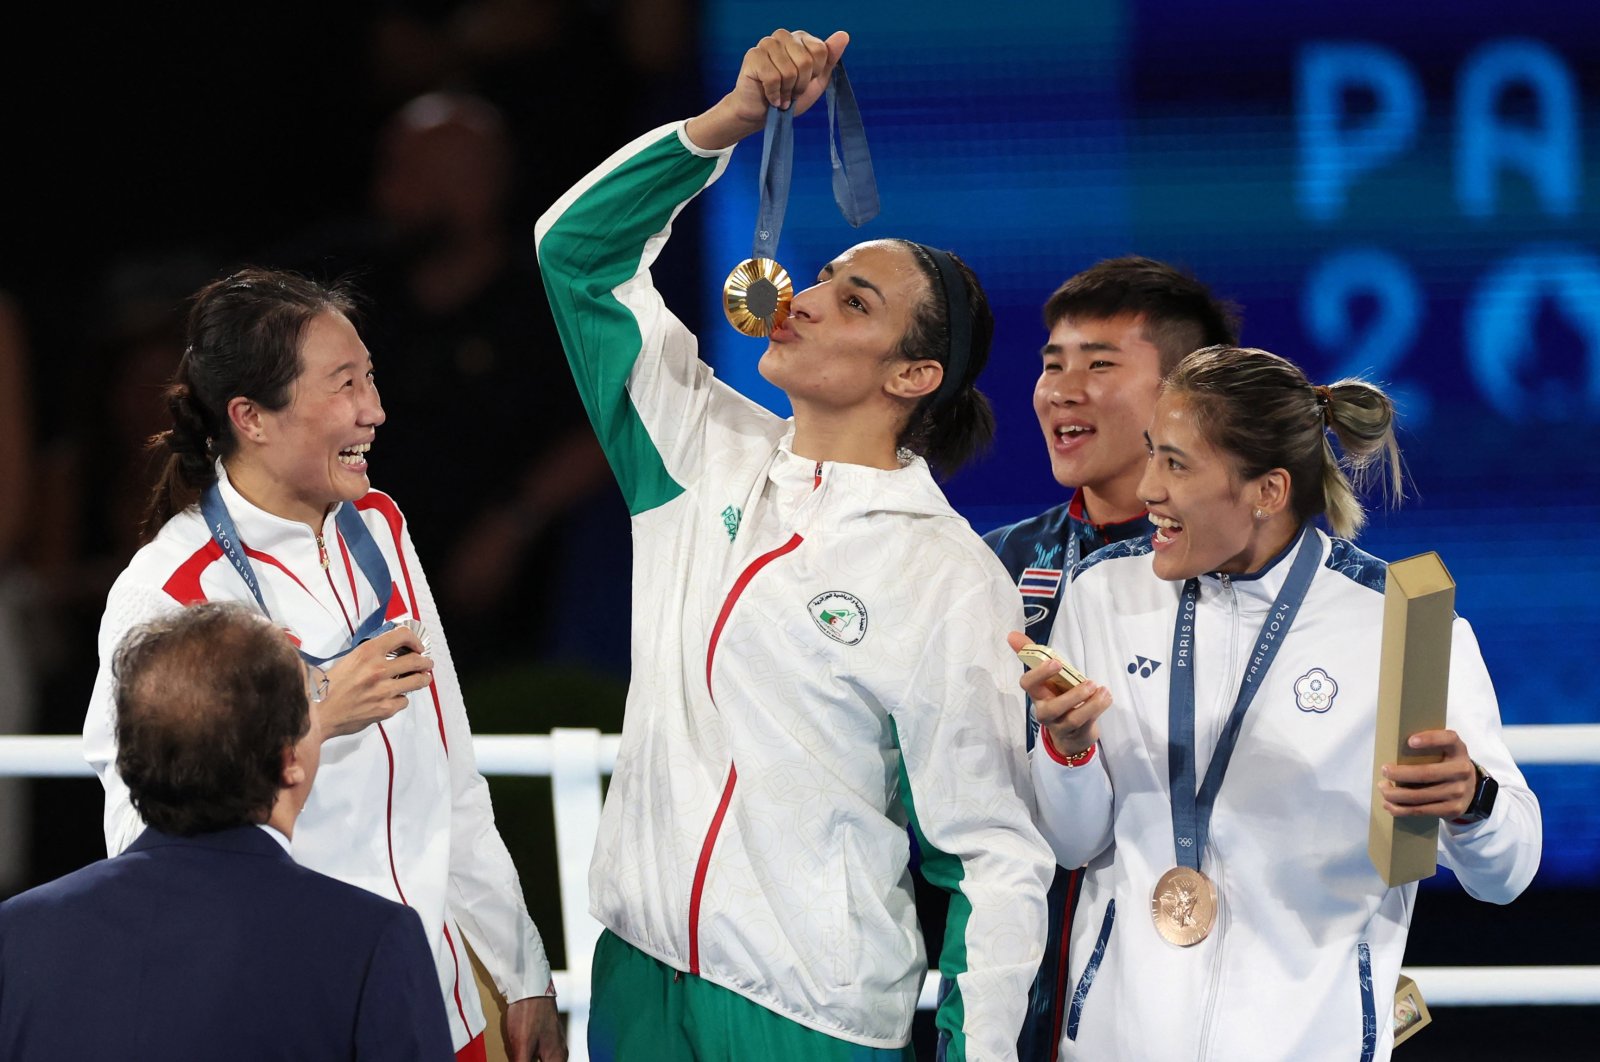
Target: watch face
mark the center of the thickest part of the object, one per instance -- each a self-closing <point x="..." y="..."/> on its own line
<point x="1483" y="801"/>
<point x="1483" y="797"/>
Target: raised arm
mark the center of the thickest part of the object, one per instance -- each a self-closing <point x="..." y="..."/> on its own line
<point x="651" y="400"/>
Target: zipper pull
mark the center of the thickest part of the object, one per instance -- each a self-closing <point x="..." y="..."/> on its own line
<point x="322" y="553"/>
<point x="816" y="480"/>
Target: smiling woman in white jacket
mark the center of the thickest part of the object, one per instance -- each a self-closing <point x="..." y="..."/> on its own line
<point x="1235" y="658"/>
<point x="265" y="500"/>
<point x="812" y="663"/>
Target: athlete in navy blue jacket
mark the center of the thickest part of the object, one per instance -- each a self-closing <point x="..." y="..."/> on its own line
<point x="1115" y="330"/>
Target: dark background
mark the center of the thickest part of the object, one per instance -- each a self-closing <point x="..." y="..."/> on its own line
<point x="149" y="150"/>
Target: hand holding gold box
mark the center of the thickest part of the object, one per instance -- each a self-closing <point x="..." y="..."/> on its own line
<point x="1413" y="688"/>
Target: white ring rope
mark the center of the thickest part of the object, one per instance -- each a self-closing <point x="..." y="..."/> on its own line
<point x="576" y="759"/>
<point x="532" y="755"/>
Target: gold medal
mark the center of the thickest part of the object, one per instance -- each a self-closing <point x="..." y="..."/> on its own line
<point x="756" y="296"/>
<point x="1184" y="906"/>
<point x="757" y="293"/>
<point x="1034" y="654"/>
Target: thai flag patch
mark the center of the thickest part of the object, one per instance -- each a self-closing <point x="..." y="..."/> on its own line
<point x="1039" y="582"/>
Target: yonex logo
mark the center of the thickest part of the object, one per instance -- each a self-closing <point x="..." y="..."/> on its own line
<point x="1143" y="666"/>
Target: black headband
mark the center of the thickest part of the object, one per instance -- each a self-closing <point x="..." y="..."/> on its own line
<point x="959" y="355"/>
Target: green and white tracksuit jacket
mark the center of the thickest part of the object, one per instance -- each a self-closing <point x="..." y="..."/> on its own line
<point x="818" y="659"/>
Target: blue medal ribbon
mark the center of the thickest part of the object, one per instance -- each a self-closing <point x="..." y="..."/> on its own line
<point x="1191" y="810"/>
<point x="855" y="188"/>
<point x="357" y="538"/>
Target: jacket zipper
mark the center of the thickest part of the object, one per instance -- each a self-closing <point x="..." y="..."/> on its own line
<point x="1215" y="988"/>
<point x="703" y="865"/>
<point x="355" y="600"/>
<point x="1059" y="1004"/>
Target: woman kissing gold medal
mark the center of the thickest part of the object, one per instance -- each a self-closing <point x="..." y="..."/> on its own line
<point x="756" y="295"/>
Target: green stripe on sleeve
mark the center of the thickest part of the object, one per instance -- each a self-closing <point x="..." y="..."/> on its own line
<point x="594" y="247"/>
<point x="944" y="871"/>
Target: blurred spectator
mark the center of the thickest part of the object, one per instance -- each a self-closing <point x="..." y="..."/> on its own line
<point x="486" y="429"/>
<point x="16" y="670"/>
<point x="529" y="57"/>
<point x="244" y="127"/>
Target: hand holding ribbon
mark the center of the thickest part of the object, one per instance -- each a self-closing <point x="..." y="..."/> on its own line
<point x="756" y="294"/>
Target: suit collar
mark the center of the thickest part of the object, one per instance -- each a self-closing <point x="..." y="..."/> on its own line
<point x="242" y="840"/>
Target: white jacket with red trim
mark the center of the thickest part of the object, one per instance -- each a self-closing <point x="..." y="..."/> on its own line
<point x="818" y="658"/>
<point x="398" y="808"/>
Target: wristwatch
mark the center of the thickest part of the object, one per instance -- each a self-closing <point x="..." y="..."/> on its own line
<point x="1482" y="797"/>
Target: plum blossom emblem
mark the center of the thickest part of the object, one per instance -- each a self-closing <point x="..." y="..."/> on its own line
<point x="1314" y="691"/>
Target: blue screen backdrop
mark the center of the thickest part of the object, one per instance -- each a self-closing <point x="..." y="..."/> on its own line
<point x="1404" y="193"/>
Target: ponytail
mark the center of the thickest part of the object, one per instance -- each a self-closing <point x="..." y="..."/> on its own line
<point x="954" y="433"/>
<point x="954" y="326"/>
<point x="1361" y="417"/>
<point x="1260" y="409"/>
<point x="188" y="467"/>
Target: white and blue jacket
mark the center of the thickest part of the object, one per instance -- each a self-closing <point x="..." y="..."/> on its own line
<point x="1307" y="947"/>
<point x="1039" y="553"/>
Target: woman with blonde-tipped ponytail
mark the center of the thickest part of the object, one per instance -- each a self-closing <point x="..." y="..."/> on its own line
<point x="1214" y="774"/>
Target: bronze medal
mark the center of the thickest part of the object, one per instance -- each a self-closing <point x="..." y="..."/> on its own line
<point x="756" y="296"/>
<point x="1184" y="906"/>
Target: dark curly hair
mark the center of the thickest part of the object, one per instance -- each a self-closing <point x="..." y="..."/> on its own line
<point x="207" y="699"/>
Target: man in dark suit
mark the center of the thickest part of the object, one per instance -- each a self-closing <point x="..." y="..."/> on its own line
<point x="204" y="940"/>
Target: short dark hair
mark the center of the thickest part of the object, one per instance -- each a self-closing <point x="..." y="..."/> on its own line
<point x="1180" y="313"/>
<point x="207" y="699"/>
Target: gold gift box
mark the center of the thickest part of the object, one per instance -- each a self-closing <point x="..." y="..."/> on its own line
<point x="1413" y="685"/>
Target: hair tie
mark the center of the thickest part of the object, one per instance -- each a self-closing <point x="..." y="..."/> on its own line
<point x="959" y="330"/>
<point x="1324" y="395"/>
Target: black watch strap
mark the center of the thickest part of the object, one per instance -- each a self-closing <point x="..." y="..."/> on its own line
<point x="1483" y="797"/>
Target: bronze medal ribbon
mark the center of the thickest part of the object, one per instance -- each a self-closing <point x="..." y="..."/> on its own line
<point x="1191" y="809"/>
